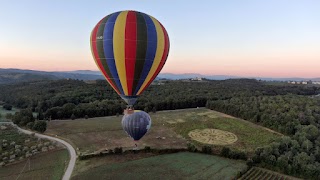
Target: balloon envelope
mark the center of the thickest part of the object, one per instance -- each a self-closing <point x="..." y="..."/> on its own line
<point x="130" y="48"/>
<point x="136" y="124"/>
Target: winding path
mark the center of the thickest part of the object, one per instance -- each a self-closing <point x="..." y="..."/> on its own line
<point x="72" y="152"/>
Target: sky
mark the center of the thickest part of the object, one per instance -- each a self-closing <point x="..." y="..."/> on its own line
<point x="274" y="38"/>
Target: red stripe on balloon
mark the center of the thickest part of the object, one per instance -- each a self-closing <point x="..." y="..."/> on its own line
<point x="130" y="48"/>
<point x="163" y="59"/>
<point x="97" y="58"/>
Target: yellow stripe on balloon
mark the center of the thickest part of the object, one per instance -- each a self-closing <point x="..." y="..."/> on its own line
<point x="158" y="56"/>
<point x="119" y="49"/>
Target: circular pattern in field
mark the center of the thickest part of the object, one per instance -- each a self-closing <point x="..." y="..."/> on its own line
<point x="213" y="136"/>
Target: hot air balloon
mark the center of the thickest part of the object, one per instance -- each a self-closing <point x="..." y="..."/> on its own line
<point x="130" y="48"/>
<point x="136" y="124"/>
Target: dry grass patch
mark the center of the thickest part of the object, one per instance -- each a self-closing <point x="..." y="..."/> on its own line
<point x="213" y="136"/>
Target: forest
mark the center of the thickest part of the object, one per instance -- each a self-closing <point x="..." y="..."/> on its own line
<point x="296" y="116"/>
<point x="293" y="110"/>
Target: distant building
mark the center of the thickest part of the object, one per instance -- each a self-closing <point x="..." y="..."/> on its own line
<point x="196" y="79"/>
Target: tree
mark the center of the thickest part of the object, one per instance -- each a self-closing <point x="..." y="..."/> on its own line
<point x="154" y="109"/>
<point x="30" y="125"/>
<point x="73" y="117"/>
<point x="40" y="126"/>
<point x="23" y="117"/>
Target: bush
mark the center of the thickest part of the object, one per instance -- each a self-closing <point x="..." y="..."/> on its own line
<point x="191" y="147"/>
<point x="30" y="125"/>
<point x="250" y="163"/>
<point x="206" y="149"/>
<point x="118" y="150"/>
<point x="40" y="126"/>
<point x="147" y="149"/>
<point x="225" y="152"/>
<point x="86" y="116"/>
<point x="7" y="107"/>
<point x="73" y="117"/>
<point x="146" y="109"/>
<point x="154" y="110"/>
<point x="237" y="155"/>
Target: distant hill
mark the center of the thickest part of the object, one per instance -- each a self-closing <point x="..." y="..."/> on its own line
<point x="8" y="76"/>
<point x="19" y="75"/>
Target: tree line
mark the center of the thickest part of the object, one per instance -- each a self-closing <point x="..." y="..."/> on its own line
<point x="61" y="99"/>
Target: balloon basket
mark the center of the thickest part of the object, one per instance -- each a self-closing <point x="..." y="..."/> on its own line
<point x="135" y="146"/>
<point x="128" y="111"/>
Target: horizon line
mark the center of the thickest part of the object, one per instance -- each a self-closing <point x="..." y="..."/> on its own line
<point x="236" y="76"/>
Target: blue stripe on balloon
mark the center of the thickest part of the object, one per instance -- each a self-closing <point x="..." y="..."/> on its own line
<point x="151" y="50"/>
<point x="108" y="49"/>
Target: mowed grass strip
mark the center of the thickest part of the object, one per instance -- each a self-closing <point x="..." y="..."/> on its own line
<point x="172" y="166"/>
<point x="49" y="165"/>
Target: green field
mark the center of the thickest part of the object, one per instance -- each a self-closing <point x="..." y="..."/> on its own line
<point x="3" y="113"/>
<point x="106" y="132"/>
<point x="171" y="166"/>
<point x="43" y="166"/>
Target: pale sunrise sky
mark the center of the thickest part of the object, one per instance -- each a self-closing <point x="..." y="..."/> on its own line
<point x="273" y="38"/>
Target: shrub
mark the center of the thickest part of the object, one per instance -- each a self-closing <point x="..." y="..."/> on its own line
<point x="86" y="116"/>
<point x="147" y="149"/>
<point x="30" y="125"/>
<point x="146" y="109"/>
<point x="118" y="150"/>
<point x="206" y="149"/>
<point x="225" y="152"/>
<point x="7" y="107"/>
<point x="154" y="110"/>
<point x="73" y="117"/>
<point x="191" y="147"/>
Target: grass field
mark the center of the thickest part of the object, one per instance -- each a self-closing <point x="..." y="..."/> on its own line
<point x="171" y="166"/>
<point x="3" y="113"/>
<point x="43" y="166"/>
<point x="106" y="132"/>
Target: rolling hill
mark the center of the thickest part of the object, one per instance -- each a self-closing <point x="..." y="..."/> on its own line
<point x="8" y="76"/>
